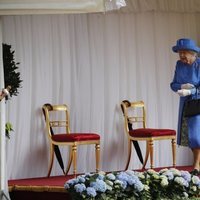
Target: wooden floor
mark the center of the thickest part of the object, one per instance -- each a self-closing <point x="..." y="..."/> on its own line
<point x="52" y="188"/>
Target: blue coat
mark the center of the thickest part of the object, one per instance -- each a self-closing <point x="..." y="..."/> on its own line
<point x="188" y="128"/>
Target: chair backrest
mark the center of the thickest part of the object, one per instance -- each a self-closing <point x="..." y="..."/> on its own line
<point x="56" y="117"/>
<point x="134" y="113"/>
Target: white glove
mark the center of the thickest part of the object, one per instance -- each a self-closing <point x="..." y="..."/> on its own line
<point x="187" y="86"/>
<point x="184" y="92"/>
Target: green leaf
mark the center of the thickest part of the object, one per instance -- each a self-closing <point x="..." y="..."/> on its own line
<point x="8" y="129"/>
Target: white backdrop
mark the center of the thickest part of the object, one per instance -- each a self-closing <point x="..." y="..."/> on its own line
<point x="92" y="62"/>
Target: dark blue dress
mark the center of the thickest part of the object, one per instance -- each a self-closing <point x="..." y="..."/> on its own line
<point x="188" y="128"/>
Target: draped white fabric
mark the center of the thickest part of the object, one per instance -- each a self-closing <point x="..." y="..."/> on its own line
<point x="92" y="62"/>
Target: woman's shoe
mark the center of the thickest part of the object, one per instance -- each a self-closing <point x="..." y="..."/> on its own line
<point x="195" y="172"/>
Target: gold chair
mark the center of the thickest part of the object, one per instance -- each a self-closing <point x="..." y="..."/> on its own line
<point x="57" y="118"/>
<point x="134" y="112"/>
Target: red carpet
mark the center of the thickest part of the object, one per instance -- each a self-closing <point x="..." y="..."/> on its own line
<point x="51" y="188"/>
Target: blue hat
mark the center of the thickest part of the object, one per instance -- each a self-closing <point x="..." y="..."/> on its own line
<point x="185" y="44"/>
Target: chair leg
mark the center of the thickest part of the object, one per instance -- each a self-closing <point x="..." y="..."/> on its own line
<point x="97" y="152"/>
<point x="69" y="161"/>
<point x="129" y="153"/>
<point x="174" y="152"/>
<point x="151" y="147"/>
<point x="74" y="151"/>
<point x="51" y="159"/>
<point x="147" y="155"/>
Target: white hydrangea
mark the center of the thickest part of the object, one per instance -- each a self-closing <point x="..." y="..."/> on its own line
<point x="164" y="182"/>
<point x="175" y="172"/>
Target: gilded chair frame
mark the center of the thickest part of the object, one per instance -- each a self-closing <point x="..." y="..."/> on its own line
<point x="149" y="140"/>
<point x="51" y="124"/>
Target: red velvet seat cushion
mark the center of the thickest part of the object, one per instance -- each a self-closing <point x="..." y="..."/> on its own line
<point x="151" y="132"/>
<point x="72" y="137"/>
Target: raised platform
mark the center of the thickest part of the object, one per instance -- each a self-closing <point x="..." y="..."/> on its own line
<point x="39" y="188"/>
<point x="51" y="188"/>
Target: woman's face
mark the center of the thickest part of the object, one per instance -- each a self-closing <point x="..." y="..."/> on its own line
<point x="187" y="56"/>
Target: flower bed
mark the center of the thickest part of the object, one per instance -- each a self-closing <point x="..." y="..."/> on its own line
<point x="131" y="185"/>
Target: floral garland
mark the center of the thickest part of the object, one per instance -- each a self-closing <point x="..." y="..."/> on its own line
<point x="131" y="185"/>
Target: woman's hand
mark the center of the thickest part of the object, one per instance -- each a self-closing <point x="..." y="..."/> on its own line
<point x="184" y="92"/>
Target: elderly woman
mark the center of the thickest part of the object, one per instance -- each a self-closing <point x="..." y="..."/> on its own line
<point x="186" y="83"/>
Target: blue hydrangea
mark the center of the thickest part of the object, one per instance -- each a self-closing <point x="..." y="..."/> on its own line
<point x="81" y="179"/>
<point x="124" y="184"/>
<point x="169" y="175"/>
<point x="99" y="185"/>
<point x="132" y="180"/>
<point x="70" y="183"/>
<point x="122" y="176"/>
<point x="100" y="177"/>
<point x="88" y="174"/>
<point x="80" y="187"/>
<point x="131" y="173"/>
<point x="186" y="175"/>
<point x="91" y="191"/>
<point x="66" y="186"/>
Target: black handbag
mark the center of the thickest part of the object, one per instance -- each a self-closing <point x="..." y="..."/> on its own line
<point x="192" y="107"/>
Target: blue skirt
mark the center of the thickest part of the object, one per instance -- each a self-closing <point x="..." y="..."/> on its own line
<point x="194" y="131"/>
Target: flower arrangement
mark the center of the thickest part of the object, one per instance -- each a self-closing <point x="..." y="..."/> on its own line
<point x="131" y="185"/>
<point x="172" y="184"/>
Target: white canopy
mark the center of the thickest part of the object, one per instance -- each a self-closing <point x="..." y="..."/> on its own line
<point x="13" y="7"/>
<point x="23" y="7"/>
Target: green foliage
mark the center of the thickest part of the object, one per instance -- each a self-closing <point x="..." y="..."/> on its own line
<point x="8" y="129"/>
<point x="11" y="76"/>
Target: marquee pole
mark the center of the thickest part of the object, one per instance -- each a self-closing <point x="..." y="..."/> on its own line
<point x="3" y="178"/>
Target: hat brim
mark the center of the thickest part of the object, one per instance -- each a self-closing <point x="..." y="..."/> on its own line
<point x="178" y="48"/>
